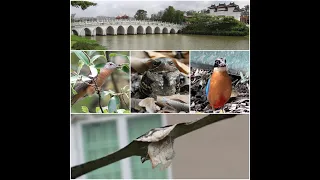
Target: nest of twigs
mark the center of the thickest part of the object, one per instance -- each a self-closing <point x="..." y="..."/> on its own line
<point x="238" y="103"/>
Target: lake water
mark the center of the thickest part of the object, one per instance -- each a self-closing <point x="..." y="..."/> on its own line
<point x="172" y="42"/>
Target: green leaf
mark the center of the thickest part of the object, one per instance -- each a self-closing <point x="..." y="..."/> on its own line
<point x="126" y="111"/>
<point x="125" y="68"/>
<point x="105" y="110"/>
<point x="98" y="110"/>
<point x="73" y="79"/>
<point x="112" y="55"/>
<point x="82" y="56"/>
<point x="113" y="104"/>
<point x="80" y="65"/>
<point x="90" y="53"/>
<point x="94" y="71"/>
<point x="106" y="93"/>
<point x="85" y="109"/>
<point x="95" y="57"/>
<point x="74" y="92"/>
<point x="120" y="111"/>
<point x="99" y="66"/>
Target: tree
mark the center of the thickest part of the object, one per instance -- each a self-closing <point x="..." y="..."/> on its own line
<point x="246" y="11"/>
<point x="141" y="15"/>
<point x="83" y="4"/>
<point x="168" y="15"/>
<point x="190" y="12"/>
<point x="178" y="17"/>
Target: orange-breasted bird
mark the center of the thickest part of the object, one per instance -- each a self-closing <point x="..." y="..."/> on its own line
<point x="219" y="86"/>
<point x="89" y="87"/>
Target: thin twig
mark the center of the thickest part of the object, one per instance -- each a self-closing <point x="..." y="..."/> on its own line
<point x="98" y="92"/>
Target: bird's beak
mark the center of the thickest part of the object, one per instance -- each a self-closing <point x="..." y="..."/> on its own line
<point x="119" y="65"/>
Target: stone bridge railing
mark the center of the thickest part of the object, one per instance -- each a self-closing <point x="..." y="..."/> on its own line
<point x="124" y="22"/>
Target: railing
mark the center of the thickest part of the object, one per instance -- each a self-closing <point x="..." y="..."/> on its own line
<point x="124" y="22"/>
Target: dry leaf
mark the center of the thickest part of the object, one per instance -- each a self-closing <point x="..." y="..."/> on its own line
<point x="155" y="55"/>
<point x="182" y="67"/>
<point x="139" y="64"/>
<point x="135" y="103"/>
<point x="149" y="104"/>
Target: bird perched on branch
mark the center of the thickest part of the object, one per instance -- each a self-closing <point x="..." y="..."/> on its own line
<point x="156" y="145"/>
<point x="219" y="86"/>
<point x="89" y="87"/>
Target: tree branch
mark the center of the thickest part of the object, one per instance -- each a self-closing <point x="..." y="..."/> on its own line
<point x="98" y="92"/>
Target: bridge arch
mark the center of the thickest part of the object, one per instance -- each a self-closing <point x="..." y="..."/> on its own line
<point x="75" y="32"/>
<point x="179" y="31"/>
<point x="87" y="32"/>
<point x="120" y="30"/>
<point x="110" y="30"/>
<point x="165" y="31"/>
<point x="149" y="30"/>
<point x="140" y="30"/>
<point x="172" y="31"/>
<point x="130" y="30"/>
<point x="99" y="31"/>
<point x="157" y="30"/>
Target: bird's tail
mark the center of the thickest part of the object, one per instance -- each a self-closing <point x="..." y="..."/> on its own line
<point x="75" y="98"/>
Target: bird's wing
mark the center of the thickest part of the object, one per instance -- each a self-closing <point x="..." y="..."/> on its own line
<point x="208" y="87"/>
<point x="80" y="88"/>
<point x="131" y="149"/>
<point x="181" y="129"/>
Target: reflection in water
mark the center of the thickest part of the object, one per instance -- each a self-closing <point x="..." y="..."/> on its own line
<point x="172" y="42"/>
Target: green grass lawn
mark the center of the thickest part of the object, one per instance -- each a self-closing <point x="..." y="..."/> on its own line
<point x="80" y="43"/>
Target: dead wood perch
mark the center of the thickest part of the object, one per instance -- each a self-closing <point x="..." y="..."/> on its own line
<point x="148" y="142"/>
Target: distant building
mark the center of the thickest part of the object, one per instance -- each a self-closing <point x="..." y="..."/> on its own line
<point x="225" y="10"/>
<point x="244" y="19"/>
<point x="122" y="17"/>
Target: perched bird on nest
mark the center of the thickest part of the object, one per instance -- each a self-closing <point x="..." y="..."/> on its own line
<point x="156" y="145"/>
<point x="89" y="87"/>
<point x="219" y="86"/>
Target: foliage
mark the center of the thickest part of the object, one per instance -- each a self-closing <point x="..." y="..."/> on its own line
<point x="169" y="15"/>
<point x="82" y="4"/>
<point x="246" y="11"/>
<point x="80" y="43"/>
<point x="141" y="15"/>
<point x="215" y="25"/>
<point x="95" y="60"/>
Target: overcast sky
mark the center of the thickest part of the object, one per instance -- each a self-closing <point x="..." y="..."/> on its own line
<point x="115" y="8"/>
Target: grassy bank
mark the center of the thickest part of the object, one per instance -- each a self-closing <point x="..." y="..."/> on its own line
<point x="80" y="43"/>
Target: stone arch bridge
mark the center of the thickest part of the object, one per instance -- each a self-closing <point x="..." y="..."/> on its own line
<point x="123" y="27"/>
